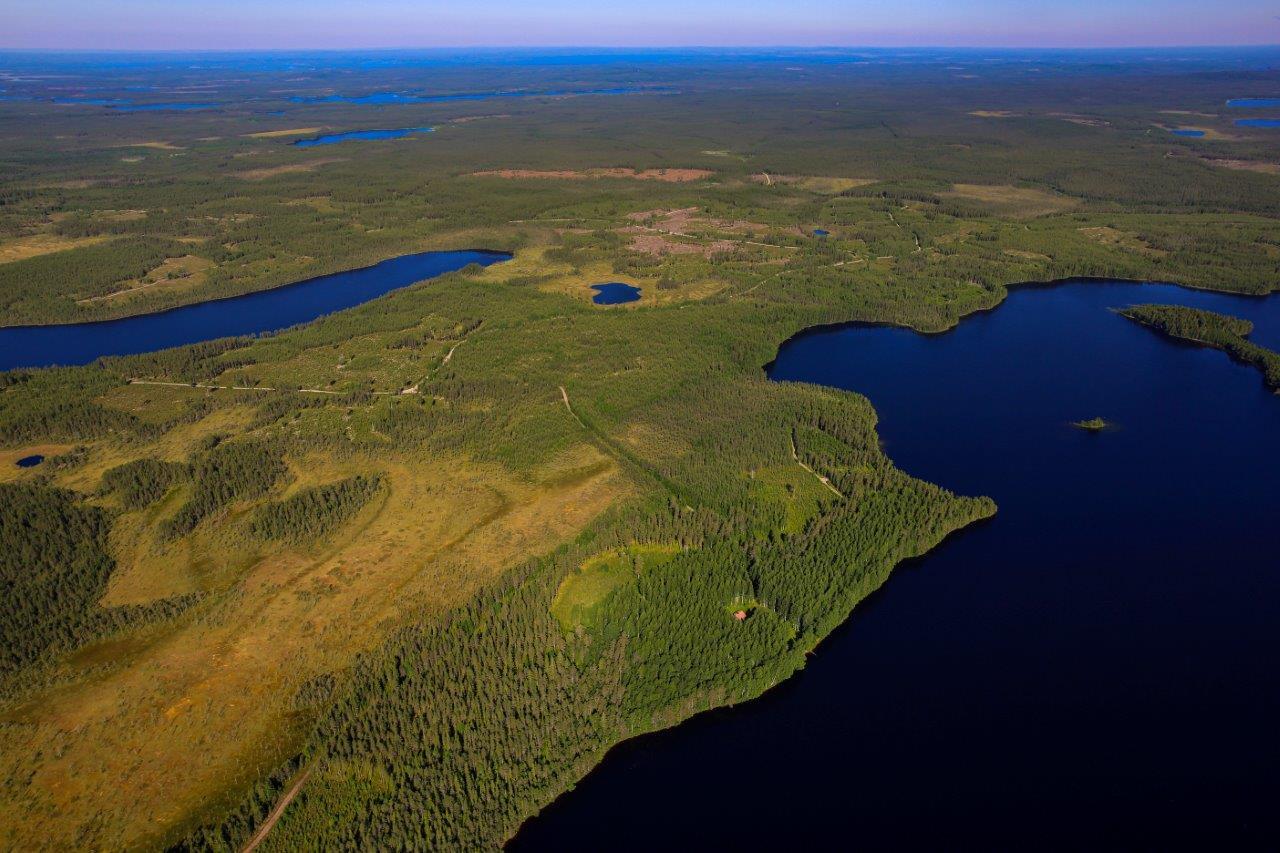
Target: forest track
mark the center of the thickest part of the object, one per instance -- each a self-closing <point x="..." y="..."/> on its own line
<point x="274" y="816"/>
<point x="821" y="479"/>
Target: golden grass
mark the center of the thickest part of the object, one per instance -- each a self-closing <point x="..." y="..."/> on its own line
<point x="1108" y="236"/>
<point x="118" y="760"/>
<point x="42" y="244"/>
<point x="1027" y="256"/>
<point x="9" y="470"/>
<point x="181" y="273"/>
<point x="991" y="113"/>
<point x="291" y="168"/>
<point x="820" y="184"/>
<point x="292" y="131"/>
<point x="669" y="176"/>
<point x="562" y="278"/>
<point x="1017" y="202"/>
<point x="1258" y="166"/>
<point x="157" y="145"/>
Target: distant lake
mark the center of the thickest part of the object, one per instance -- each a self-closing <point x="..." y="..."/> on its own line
<point x="30" y="461"/>
<point x="1258" y="122"/>
<point x="410" y="98"/>
<point x="127" y="105"/>
<point x="250" y="314"/>
<point x="1248" y="103"/>
<point x="351" y="135"/>
<point x="90" y="102"/>
<point x="615" y="293"/>
<point x="179" y="107"/>
<point x="820" y="232"/>
<point x="1093" y="668"/>
<point x="1187" y="131"/>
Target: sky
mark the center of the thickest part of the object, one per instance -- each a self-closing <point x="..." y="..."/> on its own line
<point x="294" y="24"/>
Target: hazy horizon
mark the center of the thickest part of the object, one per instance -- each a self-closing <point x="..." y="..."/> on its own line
<point x="134" y="25"/>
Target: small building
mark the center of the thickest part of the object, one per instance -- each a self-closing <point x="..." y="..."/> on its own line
<point x="740" y="615"/>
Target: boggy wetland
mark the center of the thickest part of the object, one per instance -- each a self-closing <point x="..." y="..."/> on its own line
<point x="426" y="490"/>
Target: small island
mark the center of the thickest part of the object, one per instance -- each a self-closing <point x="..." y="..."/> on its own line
<point x="1091" y="425"/>
<point x="1210" y="329"/>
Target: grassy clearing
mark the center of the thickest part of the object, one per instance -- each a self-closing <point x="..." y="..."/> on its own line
<point x="42" y="244"/>
<point x="292" y="131"/>
<point x="583" y="591"/>
<point x="1016" y="202"/>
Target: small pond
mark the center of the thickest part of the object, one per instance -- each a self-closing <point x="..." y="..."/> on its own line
<point x="30" y="461"/>
<point x="615" y="293"/>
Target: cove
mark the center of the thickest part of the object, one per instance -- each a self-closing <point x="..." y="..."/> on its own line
<point x="615" y="293"/>
<point x="335" y="138"/>
<point x="1092" y="668"/>
<point x="251" y="314"/>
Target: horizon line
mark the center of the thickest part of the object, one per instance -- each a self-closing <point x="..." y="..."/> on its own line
<point x="656" y="47"/>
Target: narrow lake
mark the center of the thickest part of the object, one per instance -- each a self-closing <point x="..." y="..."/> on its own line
<point x="1095" y="667"/>
<point x="350" y="135"/>
<point x="250" y="314"/>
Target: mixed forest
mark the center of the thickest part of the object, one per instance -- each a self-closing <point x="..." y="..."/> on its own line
<point x="400" y="576"/>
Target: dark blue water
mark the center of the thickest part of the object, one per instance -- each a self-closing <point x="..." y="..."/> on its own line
<point x="1187" y="131"/>
<point x="820" y="232"/>
<point x="1258" y="122"/>
<point x="335" y="138"/>
<point x="1093" y="668"/>
<point x="615" y="293"/>
<point x="1250" y="103"/>
<point x="251" y="314"/>
<point x="30" y="461"/>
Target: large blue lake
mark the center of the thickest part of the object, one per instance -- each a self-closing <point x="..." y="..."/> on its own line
<point x="251" y="314"/>
<point x="1093" y="668"/>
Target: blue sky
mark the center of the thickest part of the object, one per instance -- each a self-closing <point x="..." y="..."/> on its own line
<point x="200" y="24"/>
